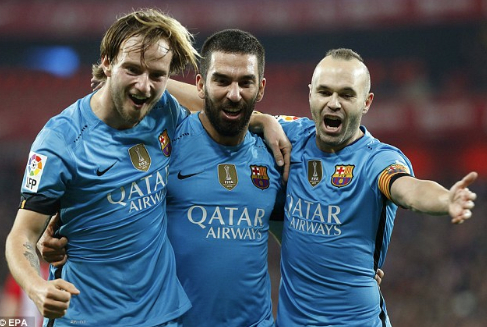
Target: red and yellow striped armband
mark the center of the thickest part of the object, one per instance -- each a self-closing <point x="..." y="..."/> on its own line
<point x="389" y="175"/>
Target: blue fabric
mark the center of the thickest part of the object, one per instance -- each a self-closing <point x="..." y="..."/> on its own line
<point x="110" y="187"/>
<point x="337" y="228"/>
<point x="220" y="199"/>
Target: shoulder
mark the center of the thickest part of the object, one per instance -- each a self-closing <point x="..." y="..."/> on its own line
<point x="380" y="149"/>
<point x="296" y="128"/>
<point x="168" y="106"/>
<point x="188" y="128"/>
<point x="383" y="155"/>
<point x="67" y="126"/>
<point x="257" y="143"/>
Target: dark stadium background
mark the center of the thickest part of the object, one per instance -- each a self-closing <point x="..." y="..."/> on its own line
<point x="428" y="61"/>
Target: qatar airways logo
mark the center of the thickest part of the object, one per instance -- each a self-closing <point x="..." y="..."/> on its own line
<point x="141" y="194"/>
<point x="313" y="217"/>
<point x="228" y="222"/>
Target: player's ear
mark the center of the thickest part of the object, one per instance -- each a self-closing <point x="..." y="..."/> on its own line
<point x="260" y="95"/>
<point x="106" y="66"/>
<point x="200" y="85"/>
<point x="368" y="103"/>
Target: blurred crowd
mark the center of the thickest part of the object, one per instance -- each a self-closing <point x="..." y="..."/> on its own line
<point x="436" y="272"/>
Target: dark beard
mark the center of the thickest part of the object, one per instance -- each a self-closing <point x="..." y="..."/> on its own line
<point x="225" y="128"/>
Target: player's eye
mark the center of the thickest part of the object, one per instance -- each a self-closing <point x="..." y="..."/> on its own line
<point x="132" y="70"/>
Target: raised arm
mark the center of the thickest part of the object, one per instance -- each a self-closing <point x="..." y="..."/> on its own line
<point x="51" y="297"/>
<point x="431" y="198"/>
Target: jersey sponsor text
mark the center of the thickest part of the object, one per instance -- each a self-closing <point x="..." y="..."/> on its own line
<point x="228" y="222"/>
<point x="142" y="194"/>
<point x="312" y="217"/>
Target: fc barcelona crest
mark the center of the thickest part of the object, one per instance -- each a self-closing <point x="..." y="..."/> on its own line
<point x="166" y="146"/>
<point x="315" y="172"/>
<point x="343" y="175"/>
<point x="259" y="177"/>
<point x="227" y="176"/>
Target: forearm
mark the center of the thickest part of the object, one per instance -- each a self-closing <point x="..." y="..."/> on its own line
<point x="186" y="94"/>
<point x="23" y="262"/>
<point x="259" y="121"/>
<point x="421" y="195"/>
<point x="275" y="138"/>
<point x="50" y="297"/>
<point x="20" y="248"/>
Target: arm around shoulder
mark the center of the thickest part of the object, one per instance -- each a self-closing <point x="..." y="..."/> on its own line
<point x="186" y="94"/>
<point x="275" y="138"/>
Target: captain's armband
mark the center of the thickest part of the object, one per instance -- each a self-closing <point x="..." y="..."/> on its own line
<point x="389" y="175"/>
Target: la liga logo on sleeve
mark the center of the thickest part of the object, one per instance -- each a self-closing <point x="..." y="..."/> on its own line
<point x="35" y="167"/>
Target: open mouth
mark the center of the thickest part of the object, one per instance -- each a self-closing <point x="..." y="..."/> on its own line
<point x="138" y="99"/>
<point x="332" y="122"/>
<point x="232" y="109"/>
<point x="232" y="112"/>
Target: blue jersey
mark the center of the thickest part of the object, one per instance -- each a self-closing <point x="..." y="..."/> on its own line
<point x="110" y="188"/>
<point x="337" y="229"/>
<point x="219" y="201"/>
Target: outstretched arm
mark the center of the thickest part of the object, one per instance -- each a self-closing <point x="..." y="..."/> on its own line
<point x="51" y="297"/>
<point x="432" y="198"/>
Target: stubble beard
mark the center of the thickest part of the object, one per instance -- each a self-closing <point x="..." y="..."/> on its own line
<point x="123" y="107"/>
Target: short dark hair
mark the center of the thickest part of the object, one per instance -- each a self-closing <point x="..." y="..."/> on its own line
<point x="232" y="41"/>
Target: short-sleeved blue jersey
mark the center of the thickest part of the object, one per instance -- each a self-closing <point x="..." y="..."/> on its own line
<point x="337" y="230"/>
<point x="219" y="202"/>
<point x="110" y="187"/>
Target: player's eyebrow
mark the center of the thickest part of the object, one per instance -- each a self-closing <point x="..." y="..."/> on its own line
<point x="347" y="89"/>
<point x="250" y="77"/>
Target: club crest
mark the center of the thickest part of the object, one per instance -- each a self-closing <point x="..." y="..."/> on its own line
<point x="259" y="177"/>
<point x="343" y="175"/>
<point x="227" y="176"/>
<point x="166" y="145"/>
<point x="140" y="157"/>
<point x="315" y="172"/>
